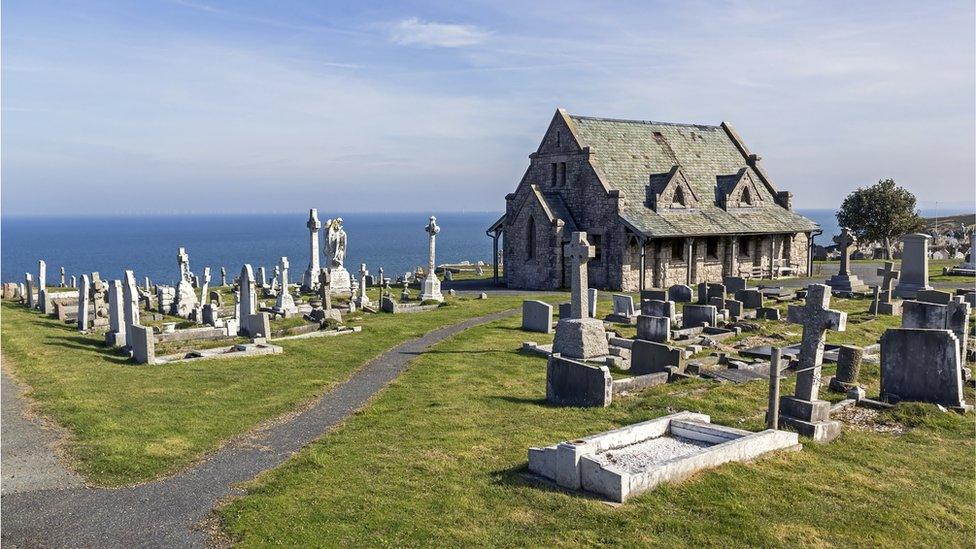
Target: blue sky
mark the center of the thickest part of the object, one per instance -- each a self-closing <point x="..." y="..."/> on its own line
<point x="202" y="106"/>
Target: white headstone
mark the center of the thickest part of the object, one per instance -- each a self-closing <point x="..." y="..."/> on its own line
<point x="83" y="304"/>
<point x="431" y="286"/>
<point x="130" y="305"/>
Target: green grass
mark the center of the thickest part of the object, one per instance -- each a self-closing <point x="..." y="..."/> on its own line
<point x="130" y="423"/>
<point x="438" y="458"/>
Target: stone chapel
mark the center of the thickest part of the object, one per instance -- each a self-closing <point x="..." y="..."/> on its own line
<point x="662" y="203"/>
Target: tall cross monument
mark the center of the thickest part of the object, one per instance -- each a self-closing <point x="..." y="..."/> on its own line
<point x="580" y="336"/>
<point x="432" y="286"/>
<point x="311" y="273"/>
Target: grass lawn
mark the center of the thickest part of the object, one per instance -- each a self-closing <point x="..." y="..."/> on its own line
<point x="438" y="460"/>
<point x="130" y="423"/>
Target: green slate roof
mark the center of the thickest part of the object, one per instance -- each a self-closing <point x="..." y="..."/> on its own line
<point x="633" y="154"/>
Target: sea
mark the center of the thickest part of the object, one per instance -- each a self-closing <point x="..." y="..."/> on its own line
<point x="149" y="244"/>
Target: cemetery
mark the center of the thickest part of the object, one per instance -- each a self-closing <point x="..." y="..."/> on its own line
<point x="654" y="394"/>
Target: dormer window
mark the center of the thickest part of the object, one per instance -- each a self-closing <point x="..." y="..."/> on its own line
<point x="671" y="191"/>
<point x="738" y="191"/>
<point x="679" y="197"/>
<point x="746" y="196"/>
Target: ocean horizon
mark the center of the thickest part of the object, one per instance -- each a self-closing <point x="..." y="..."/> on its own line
<point x="148" y="243"/>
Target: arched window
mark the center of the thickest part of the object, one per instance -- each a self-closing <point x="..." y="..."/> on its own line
<point x="530" y="238"/>
<point x="679" y="196"/>
<point x="746" y="196"/>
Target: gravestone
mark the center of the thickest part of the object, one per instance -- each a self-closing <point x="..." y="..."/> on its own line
<point x="41" y="283"/>
<point x="679" y="293"/>
<point x="185" y="299"/>
<point x="143" y="344"/>
<point x="849" y="360"/>
<point x="654" y="293"/>
<point x="654" y="307"/>
<point x="262" y="277"/>
<point x="804" y="411"/>
<point x="362" y="299"/>
<point x="431" y="286"/>
<point x="580" y="336"/>
<point x="734" y="307"/>
<point x="953" y="316"/>
<point x="285" y="303"/>
<point x="536" y="316"/>
<point x="844" y="281"/>
<point x="649" y="357"/>
<point x="591" y="304"/>
<point x="921" y="365"/>
<point x="336" y="243"/>
<point x="223" y="276"/>
<point x="883" y="304"/>
<point x="206" y="286"/>
<point x="310" y="277"/>
<point x="74" y="281"/>
<point x="164" y="299"/>
<point x="62" y="277"/>
<point x="115" y="337"/>
<point x="694" y="316"/>
<point x="933" y="296"/>
<point x="247" y="303"/>
<point x="708" y="290"/>
<point x="84" y="305"/>
<point x="623" y="309"/>
<point x="565" y="310"/>
<point x="256" y="325"/>
<point x="29" y="286"/>
<point x="654" y="328"/>
<point x="99" y="301"/>
<point x="216" y="298"/>
<point x="914" y="265"/>
<point x="130" y="305"/>
<point x="209" y="314"/>
<point x="734" y="283"/>
<point x="572" y="383"/>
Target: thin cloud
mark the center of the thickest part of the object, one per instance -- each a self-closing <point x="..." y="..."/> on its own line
<point x="414" y="32"/>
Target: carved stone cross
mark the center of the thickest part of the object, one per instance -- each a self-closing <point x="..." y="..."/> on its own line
<point x="432" y="230"/>
<point x="579" y="252"/>
<point x="845" y="241"/>
<point x="284" y="273"/>
<point x="325" y="281"/>
<point x="888" y="276"/>
<point x="184" y="260"/>
<point x="816" y="319"/>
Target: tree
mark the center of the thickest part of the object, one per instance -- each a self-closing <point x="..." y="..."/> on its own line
<point x="880" y="213"/>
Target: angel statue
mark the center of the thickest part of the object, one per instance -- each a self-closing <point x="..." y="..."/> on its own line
<point x="336" y="242"/>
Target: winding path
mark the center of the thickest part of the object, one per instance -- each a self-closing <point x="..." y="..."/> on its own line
<point x="170" y="512"/>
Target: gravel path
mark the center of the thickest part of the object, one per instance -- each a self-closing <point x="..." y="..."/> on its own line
<point x="170" y="512"/>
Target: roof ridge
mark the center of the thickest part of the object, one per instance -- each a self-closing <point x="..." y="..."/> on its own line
<point x="646" y="122"/>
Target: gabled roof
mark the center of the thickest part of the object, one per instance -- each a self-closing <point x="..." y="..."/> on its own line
<point x="626" y="153"/>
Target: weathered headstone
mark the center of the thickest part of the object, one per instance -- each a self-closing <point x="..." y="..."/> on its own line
<point x="536" y="316"/>
<point x="115" y="337"/>
<point x="654" y="328"/>
<point x="285" y="303"/>
<point x="933" y="296"/>
<point x="336" y="243"/>
<point x="734" y="283"/>
<point x="256" y="325"/>
<point x="362" y="299"/>
<point x="884" y="304"/>
<point x="804" y="411"/>
<point x="648" y="357"/>
<point x="679" y="293"/>
<point x="84" y="306"/>
<point x="310" y="278"/>
<point x="694" y="316"/>
<point x="655" y="307"/>
<point x="74" y="281"/>
<point x="130" y="305"/>
<point x="849" y="360"/>
<point x="590" y="309"/>
<point x="262" y="276"/>
<point x="62" y="277"/>
<point x="223" y="276"/>
<point x="572" y="383"/>
<point x="580" y="336"/>
<point x="623" y="309"/>
<point x="143" y="345"/>
<point x="29" y="285"/>
<point x="248" y="300"/>
<point x="914" y="265"/>
<point x="654" y="293"/>
<point x="921" y="365"/>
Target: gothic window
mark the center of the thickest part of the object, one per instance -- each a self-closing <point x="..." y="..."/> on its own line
<point x="744" y="242"/>
<point x="711" y="247"/>
<point x="746" y="196"/>
<point x="679" y="196"/>
<point x="530" y="238"/>
<point x="678" y="248"/>
<point x="562" y="173"/>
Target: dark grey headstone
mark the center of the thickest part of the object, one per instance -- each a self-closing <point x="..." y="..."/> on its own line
<point x="751" y="299"/>
<point x="655" y="307"/>
<point x="654" y="293"/>
<point x="933" y="296"/>
<point x="654" y="328"/>
<point x="572" y="383"/>
<point x="648" y="357"/>
<point x="734" y="283"/>
<point x="921" y="365"/>
<point x="565" y="310"/>
<point x="679" y="293"/>
<point x="696" y="315"/>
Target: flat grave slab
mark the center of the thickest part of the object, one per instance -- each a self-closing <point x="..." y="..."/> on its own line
<point x="625" y="462"/>
<point x="234" y="351"/>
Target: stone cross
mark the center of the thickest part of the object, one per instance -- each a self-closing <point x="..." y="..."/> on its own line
<point x="380" y="283"/>
<point x="579" y="252"/>
<point x="888" y="276"/>
<point x="324" y="283"/>
<point x="875" y="299"/>
<point x="184" y="260"/>
<point x="223" y="276"/>
<point x="313" y="224"/>
<point x="282" y="270"/>
<point x="845" y="241"/>
<point x="816" y="319"/>
<point x="432" y="230"/>
<point x="206" y="285"/>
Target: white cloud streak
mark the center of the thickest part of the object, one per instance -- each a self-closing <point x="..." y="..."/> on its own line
<point x="415" y="32"/>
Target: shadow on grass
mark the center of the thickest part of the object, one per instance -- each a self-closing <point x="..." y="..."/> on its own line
<point x="524" y="400"/>
<point x="519" y="476"/>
